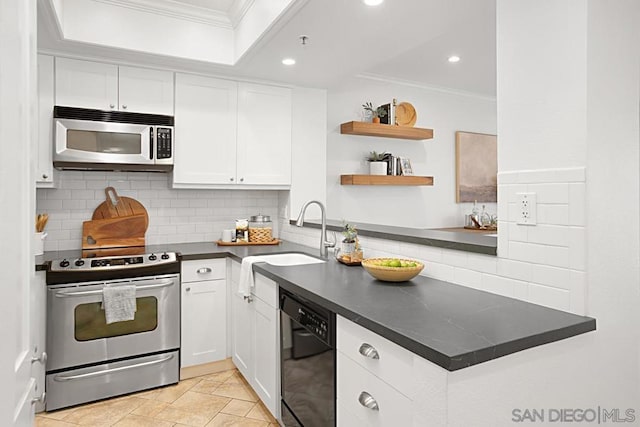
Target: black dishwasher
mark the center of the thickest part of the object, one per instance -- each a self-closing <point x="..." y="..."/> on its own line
<point x="307" y="363"/>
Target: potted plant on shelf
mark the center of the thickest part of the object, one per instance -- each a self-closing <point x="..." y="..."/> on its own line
<point x="377" y="163"/>
<point x="373" y="114"/>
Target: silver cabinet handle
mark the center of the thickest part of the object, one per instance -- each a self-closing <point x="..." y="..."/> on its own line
<point x="204" y="270"/>
<point x="62" y="378"/>
<point x="231" y="179"/>
<point x="367" y="350"/>
<point x="241" y="179"/>
<point x="124" y="107"/>
<point x="248" y="298"/>
<point x="45" y="176"/>
<point x="112" y="106"/>
<point x="368" y="401"/>
<point x="42" y="399"/>
<point x="161" y="284"/>
<point x="188" y="289"/>
<point x="42" y="359"/>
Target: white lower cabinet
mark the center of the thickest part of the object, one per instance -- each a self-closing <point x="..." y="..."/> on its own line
<point x="380" y="383"/>
<point x="255" y="337"/>
<point x="203" y="313"/>
<point x="365" y="398"/>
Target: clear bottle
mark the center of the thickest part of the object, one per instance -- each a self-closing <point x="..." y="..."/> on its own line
<point x="485" y="218"/>
<point x="475" y="215"/>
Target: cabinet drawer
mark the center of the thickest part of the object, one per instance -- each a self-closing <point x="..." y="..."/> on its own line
<point x="355" y="383"/>
<point x="206" y="269"/>
<point x="393" y="364"/>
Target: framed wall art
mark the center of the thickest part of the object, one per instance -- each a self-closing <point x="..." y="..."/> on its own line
<point x="476" y="167"/>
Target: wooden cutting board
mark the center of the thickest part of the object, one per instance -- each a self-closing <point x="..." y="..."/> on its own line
<point x="114" y="232"/>
<point x="116" y="206"/>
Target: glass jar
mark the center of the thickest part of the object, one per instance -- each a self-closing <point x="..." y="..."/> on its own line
<point x="260" y="229"/>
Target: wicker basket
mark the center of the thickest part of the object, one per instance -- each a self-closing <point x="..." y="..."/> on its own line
<point x="260" y="235"/>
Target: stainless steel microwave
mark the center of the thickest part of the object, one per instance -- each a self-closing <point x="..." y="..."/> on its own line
<point x="112" y="140"/>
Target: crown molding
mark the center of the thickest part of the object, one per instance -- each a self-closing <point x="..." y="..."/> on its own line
<point x="238" y="10"/>
<point x="435" y="88"/>
<point x="177" y="10"/>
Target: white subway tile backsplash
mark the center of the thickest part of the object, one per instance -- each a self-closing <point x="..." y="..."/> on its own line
<point x="577" y="248"/>
<point x="553" y="214"/>
<point x="514" y="269"/>
<point x="174" y="215"/>
<point x="550" y="193"/>
<point x="483" y="263"/>
<point x="550" y="297"/>
<point x="518" y="233"/>
<point x="502" y="285"/>
<point x="549" y="235"/>
<point x="463" y="276"/>
<point x="578" y="285"/>
<point x="527" y="252"/>
<point x="577" y="204"/>
<point x="455" y="258"/>
<point x="551" y="276"/>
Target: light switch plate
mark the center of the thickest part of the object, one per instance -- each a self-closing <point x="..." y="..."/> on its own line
<point x="527" y="208"/>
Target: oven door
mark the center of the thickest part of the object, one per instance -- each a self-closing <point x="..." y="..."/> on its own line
<point x="77" y="332"/>
<point x="84" y="141"/>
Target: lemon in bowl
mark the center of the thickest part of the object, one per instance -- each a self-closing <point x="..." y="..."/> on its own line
<point x="392" y="269"/>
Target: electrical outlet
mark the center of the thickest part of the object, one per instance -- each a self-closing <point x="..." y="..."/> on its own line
<point x="527" y="208"/>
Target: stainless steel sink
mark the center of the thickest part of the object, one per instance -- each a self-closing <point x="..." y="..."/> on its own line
<point x="284" y="260"/>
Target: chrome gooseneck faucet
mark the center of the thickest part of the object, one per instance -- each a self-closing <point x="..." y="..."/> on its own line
<point x="324" y="243"/>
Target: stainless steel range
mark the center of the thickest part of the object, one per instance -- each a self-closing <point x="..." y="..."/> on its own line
<point x="90" y="359"/>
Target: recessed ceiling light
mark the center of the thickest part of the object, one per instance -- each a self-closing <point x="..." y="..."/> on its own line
<point x="289" y="61"/>
<point x="372" y="2"/>
<point x="454" y="58"/>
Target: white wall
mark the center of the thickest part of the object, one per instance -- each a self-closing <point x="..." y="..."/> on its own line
<point x="421" y="207"/>
<point x="175" y="216"/>
<point x="541" y="84"/>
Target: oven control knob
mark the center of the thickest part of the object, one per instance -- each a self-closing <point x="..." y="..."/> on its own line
<point x="152" y="257"/>
<point x="64" y="263"/>
<point x="164" y="256"/>
<point x="79" y="262"/>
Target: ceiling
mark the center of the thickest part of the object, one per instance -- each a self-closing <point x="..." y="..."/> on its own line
<point x="401" y="40"/>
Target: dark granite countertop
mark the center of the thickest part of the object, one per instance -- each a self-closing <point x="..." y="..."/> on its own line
<point x="458" y="240"/>
<point x="450" y="325"/>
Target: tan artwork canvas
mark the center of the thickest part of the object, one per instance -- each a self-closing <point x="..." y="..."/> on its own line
<point x="476" y="167"/>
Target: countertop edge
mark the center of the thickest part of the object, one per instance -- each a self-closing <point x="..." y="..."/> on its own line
<point x="445" y="240"/>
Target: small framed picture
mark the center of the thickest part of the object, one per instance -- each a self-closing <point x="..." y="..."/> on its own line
<point x="405" y="166"/>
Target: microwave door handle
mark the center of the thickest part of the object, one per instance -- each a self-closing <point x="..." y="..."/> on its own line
<point x="151" y="145"/>
<point x="162" y="284"/>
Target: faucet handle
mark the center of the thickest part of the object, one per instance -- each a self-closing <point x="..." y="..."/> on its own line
<point x="331" y="243"/>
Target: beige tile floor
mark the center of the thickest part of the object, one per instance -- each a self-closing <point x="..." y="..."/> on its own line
<point x="223" y="399"/>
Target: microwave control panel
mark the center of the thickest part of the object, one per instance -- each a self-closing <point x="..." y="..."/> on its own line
<point x="163" y="144"/>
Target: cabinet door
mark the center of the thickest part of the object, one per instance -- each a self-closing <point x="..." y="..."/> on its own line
<point x="205" y="128"/>
<point x="242" y="334"/>
<point x="38" y="332"/>
<point x="204" y="325"/>
<point x="145" y="91"/>
<point x="264" y="134"/>
<point x="44" y="145"/>
<point x="265" y="376"/>
<point x="86" y="84"/>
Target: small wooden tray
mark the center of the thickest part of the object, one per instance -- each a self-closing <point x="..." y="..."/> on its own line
<point x="273" y="242"/>
<point x="468" y="227"/>
<point x="350" y="264"/>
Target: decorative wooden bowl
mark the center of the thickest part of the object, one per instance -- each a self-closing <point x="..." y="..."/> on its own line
<point x="391" y="274"/>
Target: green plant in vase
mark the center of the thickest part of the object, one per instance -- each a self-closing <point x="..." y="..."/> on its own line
<point x="374" y="113"/>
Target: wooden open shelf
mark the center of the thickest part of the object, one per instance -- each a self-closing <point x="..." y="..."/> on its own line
<point x="385" y="131"/>
<point x="385" y="180"/>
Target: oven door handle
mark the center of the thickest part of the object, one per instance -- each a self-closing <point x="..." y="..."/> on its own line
<point x="62" y="378"/>
<point x="163" y="284"/>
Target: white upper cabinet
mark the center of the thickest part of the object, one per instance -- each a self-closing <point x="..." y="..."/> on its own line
<point x="205" y="129"/>
<point x="145" y="91"/>
<point x="264" y="134"/>
<point x="44" y="145"/>
<point x="231" y="135"/>
<point x="102" y="86"/>
<point x="86" y="84"/>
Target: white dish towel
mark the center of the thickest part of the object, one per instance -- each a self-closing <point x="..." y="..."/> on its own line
<point x="119" y="303"/>
<point x="246" y="281"/>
